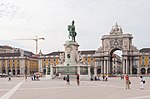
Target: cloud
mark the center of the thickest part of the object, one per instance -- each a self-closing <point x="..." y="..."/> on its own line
<point x="93" y="19"/>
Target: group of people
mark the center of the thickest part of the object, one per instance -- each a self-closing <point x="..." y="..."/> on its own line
<point x="128" y="82"/>
<point x="35" y="78"/>
<point x="67" y="78"/>
<point x="97" y="78"/>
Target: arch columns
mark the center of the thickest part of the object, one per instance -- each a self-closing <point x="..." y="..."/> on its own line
<point x="106" y="67"/>
<point x="125" y="65"/>
<point x="131" y="65"/>
<point x="95" y="70"/>
<point x="89" y="71"/>
<point x="102" y="66"/>
<point x="105" y="61"/>
<point x="138" y="69"/>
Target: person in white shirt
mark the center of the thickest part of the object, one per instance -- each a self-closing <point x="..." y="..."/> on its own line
<point x="142" y="83"/>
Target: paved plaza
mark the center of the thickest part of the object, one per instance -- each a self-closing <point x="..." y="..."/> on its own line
<point x="18" y="88"/>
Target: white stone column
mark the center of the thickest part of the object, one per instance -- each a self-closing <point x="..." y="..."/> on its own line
<point x="40" y="65"/>
<point x="131" y="64"/>
<point x="89" y="71"/>
<point x="51" y="72"/>
<point x="108" y="67"/>
<point x="46" y="70"/>
<point x="105" y="67"/>
<point x="123" y="66"/>
<point x="95" y="70"/>
<point x="78" y="70"/>
<point x="22" y="66"/>
<point x="138" y="66"/>
<point x="127" y="66"/>
<point x="145" y="70"/>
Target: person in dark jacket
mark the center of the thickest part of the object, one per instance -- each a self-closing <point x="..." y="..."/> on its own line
<point x="78" y="79"/>
<point x="68" y="79"/>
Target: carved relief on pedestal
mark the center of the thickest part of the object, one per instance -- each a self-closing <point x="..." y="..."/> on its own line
<point x="68" y="48"/>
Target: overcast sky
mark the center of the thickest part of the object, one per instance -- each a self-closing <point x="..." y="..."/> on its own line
<point x="25" y="19"/>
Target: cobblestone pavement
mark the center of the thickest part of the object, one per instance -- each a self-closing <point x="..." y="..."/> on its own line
<point x="114" y="88"/>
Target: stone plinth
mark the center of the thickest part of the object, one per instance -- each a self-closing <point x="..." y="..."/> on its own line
<point x="71" y="53"/>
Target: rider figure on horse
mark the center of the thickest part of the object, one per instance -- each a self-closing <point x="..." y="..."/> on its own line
<point x="72" y="32"/>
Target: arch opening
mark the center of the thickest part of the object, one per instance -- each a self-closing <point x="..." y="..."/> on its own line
<point x="143" y="71"/>
<point x="116" y="61"/>
<point x="148" y="71"/>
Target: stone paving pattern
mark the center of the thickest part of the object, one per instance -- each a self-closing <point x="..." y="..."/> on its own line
<point x="114" y="88"/>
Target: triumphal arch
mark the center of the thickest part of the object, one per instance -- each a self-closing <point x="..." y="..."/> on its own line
<point x="118" y="40"/>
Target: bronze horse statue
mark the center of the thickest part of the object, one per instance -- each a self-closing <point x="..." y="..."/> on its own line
<point x="72" y="32"/>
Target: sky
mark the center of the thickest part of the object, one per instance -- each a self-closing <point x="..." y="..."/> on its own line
<point x="26" y="19"/>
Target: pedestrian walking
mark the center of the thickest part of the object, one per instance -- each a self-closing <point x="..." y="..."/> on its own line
<point x="78" y="79"/>
<point x="59" y="75"/>
<point x="9" y="78"/>
<point x="68" y="79"/>
<point x="106" y="78"/>
<point x="103" y="77"/>
<point x="127" y="82"/>
<point x="34" y="78"/>
<point x="142" y="83"/>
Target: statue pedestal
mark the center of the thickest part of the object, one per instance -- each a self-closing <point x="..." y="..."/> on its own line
<point x="71" y="53"/>
<point x="50" y="74"/>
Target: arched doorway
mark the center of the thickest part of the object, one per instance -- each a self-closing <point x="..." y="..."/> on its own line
<point x="13" y="72"/>
<point x="99" y="71"/>
<point x="134" y="71"/>
<point x="148" y="71"/>
<point x="116" y="61"/>
<point x="143" y="71"/>
<point x="9" y="72"/>
<point x="18" y="71"/>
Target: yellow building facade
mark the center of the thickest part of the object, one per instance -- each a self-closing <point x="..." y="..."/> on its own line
<point x="144" y="64"/>
<point x="18" y="62"/>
